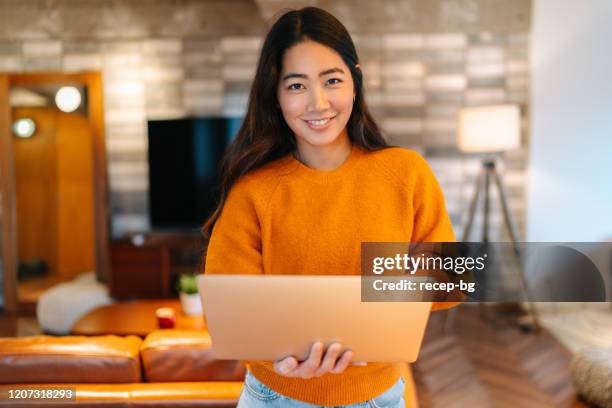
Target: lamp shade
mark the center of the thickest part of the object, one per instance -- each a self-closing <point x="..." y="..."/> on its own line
<point x="489" y="129"/>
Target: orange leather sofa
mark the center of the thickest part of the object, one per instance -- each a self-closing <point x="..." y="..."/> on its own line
<point x="170" y="368"/>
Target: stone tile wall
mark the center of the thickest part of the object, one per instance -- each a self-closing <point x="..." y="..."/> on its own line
<point x="422" y="61"/>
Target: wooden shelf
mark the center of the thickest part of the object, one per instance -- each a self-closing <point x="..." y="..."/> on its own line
<point x="150" y="269"/>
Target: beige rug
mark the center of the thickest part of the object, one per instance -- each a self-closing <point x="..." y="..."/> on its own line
<point x="580" y="326"/>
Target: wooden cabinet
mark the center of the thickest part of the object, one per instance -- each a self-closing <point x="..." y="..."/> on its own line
<point x="148" y="266"/>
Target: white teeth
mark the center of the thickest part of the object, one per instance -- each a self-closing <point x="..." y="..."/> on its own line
<point x="318" y="122"/>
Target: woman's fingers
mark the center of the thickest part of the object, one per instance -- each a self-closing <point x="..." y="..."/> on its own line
<point x="331" y="356"/>
<point x="285" y="366"/>
<point x="290" y="367"/>
<point x="334" y="360"/>
<point x="343" y="362"/>
<point x="308" y="367"/>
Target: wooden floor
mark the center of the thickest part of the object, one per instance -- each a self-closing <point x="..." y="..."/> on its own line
<point x="489" y="362"/>
<point x="479" y="363"/>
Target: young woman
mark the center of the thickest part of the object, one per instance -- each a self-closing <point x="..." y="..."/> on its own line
<point x="308" y="178"/>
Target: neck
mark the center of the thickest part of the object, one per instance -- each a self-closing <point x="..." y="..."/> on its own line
<point x="327" y="157"/>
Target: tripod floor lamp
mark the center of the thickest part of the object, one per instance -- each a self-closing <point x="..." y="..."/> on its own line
<point x="489" y="130"/>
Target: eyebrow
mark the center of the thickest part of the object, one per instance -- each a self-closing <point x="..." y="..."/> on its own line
<point x="322" y="73"/>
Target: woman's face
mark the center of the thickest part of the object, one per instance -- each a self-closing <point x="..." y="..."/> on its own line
<point x="315" y="93"/>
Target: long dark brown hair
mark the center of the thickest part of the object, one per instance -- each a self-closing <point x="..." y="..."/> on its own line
<point x="264" y="135"/>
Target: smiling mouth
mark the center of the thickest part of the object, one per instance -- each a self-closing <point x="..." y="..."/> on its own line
<point x="319" y="122"/>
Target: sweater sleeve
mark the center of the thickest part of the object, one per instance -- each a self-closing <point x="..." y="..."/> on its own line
<point x="431" y="220"/>
<point x="235" y="242"/>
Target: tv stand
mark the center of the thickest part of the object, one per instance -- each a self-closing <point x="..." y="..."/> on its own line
<point x="147" y="266"/>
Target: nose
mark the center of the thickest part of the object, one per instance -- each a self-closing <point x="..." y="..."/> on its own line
<point x="318" y="100"/>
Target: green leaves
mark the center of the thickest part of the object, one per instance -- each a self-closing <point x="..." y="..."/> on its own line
<point x="187" y="284"/>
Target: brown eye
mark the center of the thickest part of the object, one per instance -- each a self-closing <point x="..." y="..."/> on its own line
<point x="294" y="87"/>
<point x="334" y="81"/>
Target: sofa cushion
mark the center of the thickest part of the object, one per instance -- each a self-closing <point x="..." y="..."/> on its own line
<point x="71" y="359"/>
<point x="62" y="305"/>
<point x="185" y="355"/>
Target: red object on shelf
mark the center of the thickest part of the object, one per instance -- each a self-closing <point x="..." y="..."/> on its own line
<point x="166" y="319"/>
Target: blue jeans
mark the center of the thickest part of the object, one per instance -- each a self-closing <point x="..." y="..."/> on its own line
<point x="257" y="395"/>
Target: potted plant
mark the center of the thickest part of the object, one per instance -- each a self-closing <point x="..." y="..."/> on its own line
<point x="190" y="299"/>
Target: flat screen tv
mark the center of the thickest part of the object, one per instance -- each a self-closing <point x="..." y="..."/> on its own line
<point x="183" y="169"/>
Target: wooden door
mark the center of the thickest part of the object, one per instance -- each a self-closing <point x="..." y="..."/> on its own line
<point x="75" y="228"/>
<point x="8" y="215"/>
<point x="36" y="188"/>
<point x="54" y="192"/>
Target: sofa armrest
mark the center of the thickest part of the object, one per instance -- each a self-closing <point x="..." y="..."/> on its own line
<point x="70" y="359"/>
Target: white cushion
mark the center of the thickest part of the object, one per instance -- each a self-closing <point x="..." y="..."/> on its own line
<point x="62" y="305"/>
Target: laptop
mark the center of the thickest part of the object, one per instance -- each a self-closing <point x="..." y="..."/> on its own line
<point x="270" y="317"/>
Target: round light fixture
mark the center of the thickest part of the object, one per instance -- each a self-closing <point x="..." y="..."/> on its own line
<point x="24" y="128"/>
<point x="68" y="99"/>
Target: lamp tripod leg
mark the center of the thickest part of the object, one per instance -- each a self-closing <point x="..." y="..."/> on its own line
<point x="487" y="165"/>
<point x="468" y="227"/>
<point x="451" y="314"/>
<point x="533" y="322"/>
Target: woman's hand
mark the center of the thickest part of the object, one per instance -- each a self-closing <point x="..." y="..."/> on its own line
<point x="335" y="361"/>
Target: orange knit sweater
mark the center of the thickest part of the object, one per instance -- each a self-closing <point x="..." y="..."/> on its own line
<point x="287" y="218"/>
